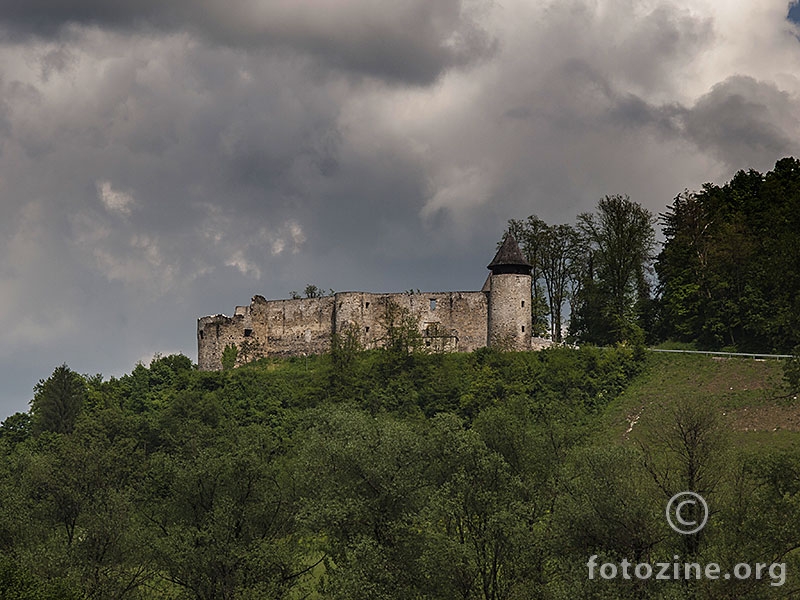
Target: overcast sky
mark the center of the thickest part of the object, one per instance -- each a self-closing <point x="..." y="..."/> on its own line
<point x="164" y="160"/>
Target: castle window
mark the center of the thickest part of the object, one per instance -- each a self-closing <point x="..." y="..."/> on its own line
<point x="523" y="329"/>
<point x="367" y="305"/>
<point x="523" y="304"/>
<point x="248" y="332"/>
<point x="433" y="303"/>
<point x="366" y="329"/>
<point x="202" y="336"/>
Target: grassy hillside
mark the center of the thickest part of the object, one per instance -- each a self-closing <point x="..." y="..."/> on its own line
<point x="747" y="393"/>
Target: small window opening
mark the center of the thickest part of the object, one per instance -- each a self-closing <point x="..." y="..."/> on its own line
<point x="366" y="329"/>
<point x="523" y="304"/>
<point x="523" y="329"/>
<point x="202" y="335"/>
<point x="367" y="305"/>
<point x="433" y="303"/>
<point x="248" y="332"/>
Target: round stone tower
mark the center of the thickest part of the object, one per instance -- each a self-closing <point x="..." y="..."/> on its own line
<point x="509" y="298"/>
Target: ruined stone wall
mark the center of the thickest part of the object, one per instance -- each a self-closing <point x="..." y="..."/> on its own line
<point x="217" y="331"/>
<point x="266" y="328"/>
<point x="293" y="327"/>
<point x="448" y="321"/>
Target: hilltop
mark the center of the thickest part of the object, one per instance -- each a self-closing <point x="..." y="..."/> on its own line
<point x="396" y="474"/>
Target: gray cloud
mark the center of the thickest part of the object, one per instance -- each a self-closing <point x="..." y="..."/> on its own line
<point x="159" y="163"/>
<point x="407" y="42"/>
<point x="743" y="120"/>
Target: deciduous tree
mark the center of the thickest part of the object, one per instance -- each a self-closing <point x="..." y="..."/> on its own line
<point x="618" y="240"/>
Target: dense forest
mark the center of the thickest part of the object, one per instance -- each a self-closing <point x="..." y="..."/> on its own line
<point x="382" y="474"/>
<point x="403" y="474"/>
<point x="729" y="271"/>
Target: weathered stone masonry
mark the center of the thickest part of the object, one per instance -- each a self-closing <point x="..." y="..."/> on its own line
<point x="499" y="314"/>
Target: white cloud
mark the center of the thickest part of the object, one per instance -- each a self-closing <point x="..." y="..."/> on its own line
<point x="458" y="188"/>
<point x="115" y="201"/>
<point x="245" y="266"/>
<point x="297" y="235"/>
<point x="278" y="246"/>
<point x="289" y="235"/>
<point x="591" y="97"/>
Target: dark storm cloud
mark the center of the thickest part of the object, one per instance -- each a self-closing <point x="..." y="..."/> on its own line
<point x="745" y="121"/>
<point x="413" y="41"/>
<point x="175" y="160"/>
<point x="741" y="120"/>
<point x="165" y="160"/>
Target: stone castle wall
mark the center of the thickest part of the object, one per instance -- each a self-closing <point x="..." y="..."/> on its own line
<point x="498" y="315"/>
<point x="448" y="321"/>
<point x="266" y="328"/>
<point x="452" y="321"/>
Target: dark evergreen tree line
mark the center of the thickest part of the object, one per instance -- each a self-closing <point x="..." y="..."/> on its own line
<point x="729" y="271"/>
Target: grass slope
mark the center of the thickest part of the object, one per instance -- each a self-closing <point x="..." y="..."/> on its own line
<point x="746" y="391"/>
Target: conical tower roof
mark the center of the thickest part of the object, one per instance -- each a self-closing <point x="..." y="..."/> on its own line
<point x="509" y="258"/>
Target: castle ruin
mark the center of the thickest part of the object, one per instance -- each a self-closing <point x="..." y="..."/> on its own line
<point x="497" y="315"/>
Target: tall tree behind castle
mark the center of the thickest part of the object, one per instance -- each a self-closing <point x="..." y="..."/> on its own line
<point x="598" y="266"/>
